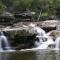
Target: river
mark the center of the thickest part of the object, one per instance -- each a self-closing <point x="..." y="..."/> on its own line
<point x="31" y="55"/>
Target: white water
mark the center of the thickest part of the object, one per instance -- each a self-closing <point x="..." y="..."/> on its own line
<point x="44" y="42"/>
<point x="44" y="39"/>
<point x="39" y="31"/>
<point x="57" y="43"/>
<point x="4" y="45"/>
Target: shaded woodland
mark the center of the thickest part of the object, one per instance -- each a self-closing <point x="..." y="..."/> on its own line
<point x="29" y="10"/>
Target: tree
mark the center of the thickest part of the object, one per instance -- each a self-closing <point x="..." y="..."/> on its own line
<point x="2" y="7"/>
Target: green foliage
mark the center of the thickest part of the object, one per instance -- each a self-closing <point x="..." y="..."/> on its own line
<point x="2" y="7"/>
<point x="47" y="6"/>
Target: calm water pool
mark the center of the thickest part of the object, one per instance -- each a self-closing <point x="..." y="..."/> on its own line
<point x="30" y="55"/>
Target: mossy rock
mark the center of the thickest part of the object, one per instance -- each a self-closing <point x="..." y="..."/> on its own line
<point x="21" y="39"/>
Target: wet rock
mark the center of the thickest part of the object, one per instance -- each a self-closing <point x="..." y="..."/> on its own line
<point x="50" y="23"/>
<point x="55" y="33"/>
<point x="46" y="25"/>
<point x="20" y="39"/>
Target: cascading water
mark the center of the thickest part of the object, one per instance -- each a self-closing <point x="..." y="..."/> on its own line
<point x="4" y="45"/>
<point x="57" y="43"/>
<point x="39" y="31"/>
<point x="44" y="39"/>
<point x="45" y="42"/>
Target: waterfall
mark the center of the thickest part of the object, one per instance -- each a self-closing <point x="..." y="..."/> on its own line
<point x="39" y="31"/>
<point x="44" y="42"/>
<point x="4" y="45"/>
<point x="44" y="39"/>
<point x="57" y="43"/>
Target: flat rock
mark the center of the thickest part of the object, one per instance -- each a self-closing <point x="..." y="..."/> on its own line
<point x="50" y="23"/>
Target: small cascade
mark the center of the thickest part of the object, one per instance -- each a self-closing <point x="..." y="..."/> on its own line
<point x="36" y="30"/>
<point x="4" y="45"/>
<point x="57" y="43"/>
<point x="44" y="42"/>
<point x="44" y="39"/>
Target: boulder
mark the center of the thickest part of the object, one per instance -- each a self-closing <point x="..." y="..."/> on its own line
<point x="20" y="38"/>
<point x="55" y="33"/>
<point x="50" y="23"/>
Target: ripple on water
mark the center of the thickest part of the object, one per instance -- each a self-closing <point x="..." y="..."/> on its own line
<point x="31" y="55"/>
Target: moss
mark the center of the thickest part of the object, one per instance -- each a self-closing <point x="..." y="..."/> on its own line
<point x="21" y="39"/>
